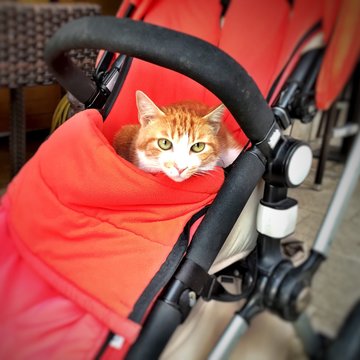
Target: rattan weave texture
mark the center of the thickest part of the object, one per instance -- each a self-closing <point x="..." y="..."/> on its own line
<point x="24" y="30"/>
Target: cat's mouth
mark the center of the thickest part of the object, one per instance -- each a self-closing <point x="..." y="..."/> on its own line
<point x="176" y="173"/>
<point x="178" y="178"/>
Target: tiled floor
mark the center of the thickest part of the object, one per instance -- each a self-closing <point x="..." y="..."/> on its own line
<point x="336" y="286"/>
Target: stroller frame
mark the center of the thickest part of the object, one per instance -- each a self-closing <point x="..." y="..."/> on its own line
<point x="277" y="284"/>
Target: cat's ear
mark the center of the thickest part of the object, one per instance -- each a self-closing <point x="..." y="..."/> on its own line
<point x="215" y="117"/>
<point x="147" y="110"/>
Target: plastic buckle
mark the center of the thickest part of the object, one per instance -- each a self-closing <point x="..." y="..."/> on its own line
<point x="208" y="289"/>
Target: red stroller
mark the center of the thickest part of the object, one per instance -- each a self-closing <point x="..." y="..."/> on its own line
<point x="102" y="260"/>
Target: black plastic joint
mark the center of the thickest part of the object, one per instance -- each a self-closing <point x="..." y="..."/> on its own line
<point x="268" y="146"/>
<point x="256" y="151"/>
<point x="282" y="116"/>
<point x="208" y="290"/>
<point x="98" y="100"/>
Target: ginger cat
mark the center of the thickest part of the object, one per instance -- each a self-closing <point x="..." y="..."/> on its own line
<point x="180" y="140"/>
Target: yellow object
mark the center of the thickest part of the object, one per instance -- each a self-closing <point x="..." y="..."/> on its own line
<point x="61" y="113"/>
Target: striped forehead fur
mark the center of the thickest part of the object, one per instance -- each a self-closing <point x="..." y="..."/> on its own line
<point x="187" y="118"/>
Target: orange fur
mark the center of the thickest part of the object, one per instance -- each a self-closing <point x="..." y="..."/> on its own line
<point x="196" y="121"/>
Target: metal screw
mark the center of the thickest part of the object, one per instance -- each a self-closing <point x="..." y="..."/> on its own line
<point x="192" y="298"/>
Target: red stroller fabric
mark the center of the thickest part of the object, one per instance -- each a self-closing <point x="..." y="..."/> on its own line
<point x="77" y="223"/>
<point x="260" y="35"/>
<point x="343" y="52"/>
<point x="36" y="320"/>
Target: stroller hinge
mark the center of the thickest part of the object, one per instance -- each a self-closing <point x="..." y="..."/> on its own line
<point x="204" y="285"/>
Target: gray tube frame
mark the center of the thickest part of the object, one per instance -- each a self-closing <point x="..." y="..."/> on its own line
<point x="339" y="201"/>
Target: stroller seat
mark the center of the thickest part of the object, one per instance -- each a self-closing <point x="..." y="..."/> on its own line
<point x="94" y="238"/>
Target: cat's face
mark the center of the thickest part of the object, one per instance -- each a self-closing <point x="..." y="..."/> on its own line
<point x="178" y="140"/>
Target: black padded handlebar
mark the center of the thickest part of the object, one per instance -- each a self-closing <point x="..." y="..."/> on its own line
<point x="186" y="54"/>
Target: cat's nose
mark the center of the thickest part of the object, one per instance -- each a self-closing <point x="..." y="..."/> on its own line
<point x="180" y="169"/>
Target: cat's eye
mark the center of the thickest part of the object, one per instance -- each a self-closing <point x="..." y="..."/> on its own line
<point x="164" y="144"/>
<point x="198" y="147"/>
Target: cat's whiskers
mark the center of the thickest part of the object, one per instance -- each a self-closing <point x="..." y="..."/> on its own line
<point x="205" y="173"/>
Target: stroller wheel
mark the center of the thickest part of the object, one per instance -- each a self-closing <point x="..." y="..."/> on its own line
<point x="347" y="344"/>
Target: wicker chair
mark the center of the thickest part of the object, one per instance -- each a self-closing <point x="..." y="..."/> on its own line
<point x="24" y="30"/>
